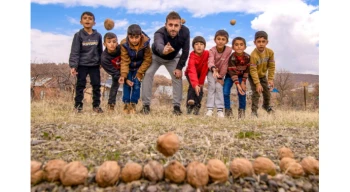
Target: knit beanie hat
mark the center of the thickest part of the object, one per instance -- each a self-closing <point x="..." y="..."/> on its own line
<point x="198" y="39"/>
<point x="259" y="34"/>
<point x="134" y="29"/>
<point x="221" y="32"/>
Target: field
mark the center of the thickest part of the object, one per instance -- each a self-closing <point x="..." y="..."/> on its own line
<point x="58" y="132"/>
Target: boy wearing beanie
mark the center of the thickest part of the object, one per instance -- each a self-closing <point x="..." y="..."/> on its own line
<point x="195" y="73"/>
<point x="217" y="63"/>
<point x="262" y="72"/>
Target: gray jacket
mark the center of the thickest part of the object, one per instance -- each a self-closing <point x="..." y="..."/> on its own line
<point x="86" y="49"/>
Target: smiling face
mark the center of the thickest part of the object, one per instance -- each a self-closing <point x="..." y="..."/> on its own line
<point x="239" y="46"/>
<point x="111" y="44"/>
<point x="261" y="43"/>
<point x="173" y="27"/>
<point x="87" y="21"/>
<point x="220" y="41"/>
<point x="134" y="39"/>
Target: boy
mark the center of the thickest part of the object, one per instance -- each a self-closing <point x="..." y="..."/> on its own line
<point x="136" y="58"/>
<point x="237" y="73"/>
<point x="196" y="72"/>
<point x="262" y="61"/>
<point x="85" y="59"/>
<point x="218" y="62"/>
<point x="110" y="61"/>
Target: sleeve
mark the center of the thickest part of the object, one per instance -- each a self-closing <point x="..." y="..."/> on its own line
<point x="204" y="70"/>
<point x="185" y="51"/>
<point x="246" y="72"/>
<point x="159" y="42"/>
<point x="125" y="61"/>
<point x="231" y="69"/>
<point x="254" y="70"/>
<point x="75" y="52"/>
<point x="147" y="60"/>
<point x="271" y="67"/>
<point x="108" y="67"/>
<point x="192" y="72"/>
<point x="211" y="63"/>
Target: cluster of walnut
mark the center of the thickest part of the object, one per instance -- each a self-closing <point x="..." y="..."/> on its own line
<point x="195" y="173"/>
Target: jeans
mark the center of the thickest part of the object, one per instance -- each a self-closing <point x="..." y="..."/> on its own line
<point x="113" y="92"/>
<point x="132" y="94"/>
<point x="95" y="81"/>
<point x="227" y="92"/>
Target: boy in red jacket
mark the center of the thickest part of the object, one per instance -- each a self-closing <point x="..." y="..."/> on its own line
<point x="195" y="73"/>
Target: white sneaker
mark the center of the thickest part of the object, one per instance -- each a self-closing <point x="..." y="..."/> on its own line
<point x="209" y="113"/>
<point x="221" y="114"/>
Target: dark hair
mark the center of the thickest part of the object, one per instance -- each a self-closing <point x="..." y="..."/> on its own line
<point x="109" y="35"/>
<point x="198" y="39"/>
<point x="239" y="38"/>
<point x="87" y="13"/>
<point x="172" y="15"/>
<point x="134" y="29"/>
<point x="221" y="32"/>
<point x="259" y="34"/>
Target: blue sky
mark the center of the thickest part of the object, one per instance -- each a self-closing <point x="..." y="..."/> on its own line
<point x="292" y="25"/>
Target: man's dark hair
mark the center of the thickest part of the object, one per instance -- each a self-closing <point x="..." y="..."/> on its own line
<point x="172" y="15"/>
<point x="239" y="38"/>
<point x="87" y="13"/>
<point x="109" y="35"/>
<point x="134" y="29"/>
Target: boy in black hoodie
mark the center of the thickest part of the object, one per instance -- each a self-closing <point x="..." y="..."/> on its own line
<point x="85" y="59"/>
<point x="110" y="61"/>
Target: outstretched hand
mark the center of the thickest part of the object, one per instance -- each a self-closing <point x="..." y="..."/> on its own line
<point x="168" y="49"/>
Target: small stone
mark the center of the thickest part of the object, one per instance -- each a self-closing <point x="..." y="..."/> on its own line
<point x="307" y="186"/>
<point x="152" y="188"/>
<point x="187" y="188"/>
<point x="281" y="190"/>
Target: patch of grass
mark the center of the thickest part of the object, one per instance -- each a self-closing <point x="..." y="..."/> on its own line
<point x="248" y="135"/>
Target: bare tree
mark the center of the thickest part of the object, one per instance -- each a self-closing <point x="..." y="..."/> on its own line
<point x="283" y="83"/>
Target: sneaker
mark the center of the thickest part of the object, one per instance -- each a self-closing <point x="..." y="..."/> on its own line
<point x="228" y="112"/>
<point x="209" y="113"/>
<point x="241" y="113"/>
<point x="190" y="102"/>
<point x="132" y="108"/>
<point x="196" y="110"/>
<point x="126" y="109"/>
<point x="189" y="109"/>
<point x="97" y="109"/>
<point x="145" y="109"/>
<point x="254" y="114"/>
<point x="177" y="110"/>
<point x="221" y="114"/>
<point x="269" y="109"/>
<point x="111" y="107"/>
<point x="78" y="109"/>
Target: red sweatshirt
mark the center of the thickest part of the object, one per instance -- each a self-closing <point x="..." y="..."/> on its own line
<point x="197" y="68"/>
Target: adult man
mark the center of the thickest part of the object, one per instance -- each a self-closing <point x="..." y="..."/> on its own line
<point x="168" y="41"/>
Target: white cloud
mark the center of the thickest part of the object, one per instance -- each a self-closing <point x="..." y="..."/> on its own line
<point x="73" y="20"/>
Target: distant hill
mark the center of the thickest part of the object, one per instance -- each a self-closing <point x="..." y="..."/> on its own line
<point x="298" y="78"/>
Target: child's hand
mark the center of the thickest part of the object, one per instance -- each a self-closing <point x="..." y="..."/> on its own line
<point x="221" y="81"/>
<point x="259" y="88"/>
<point x="215" y="73"/>
<point x="121" y="80"/>
<point x="271" y="84"/>
<point x="73" y="71"/>
<point x="168" y="49"/>
<point x="197" y="90"/>
<point x="240" y="90"/>
<point x="244" y="87"/>
<point x="130" y="83"/>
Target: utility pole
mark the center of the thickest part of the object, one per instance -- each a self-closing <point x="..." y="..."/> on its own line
<point x="305" y="84"/>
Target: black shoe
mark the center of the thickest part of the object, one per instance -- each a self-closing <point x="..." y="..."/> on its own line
<point x="269" y="109"/>
<point x="145" y="109"/>
<point x="228" y="112"/>
<point x="177" y="110"/>
<point x="189" y="109"/>
<point x="97" y="109"/>
<point x="255" y="114"/>
<point x="241" y="113"/>
<point x="196" y="110"/>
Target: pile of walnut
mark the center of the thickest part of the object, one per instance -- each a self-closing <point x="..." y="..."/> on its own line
<point x="196" y="173"/>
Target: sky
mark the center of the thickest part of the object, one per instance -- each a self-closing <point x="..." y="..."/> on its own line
<point x="292" y="25"/>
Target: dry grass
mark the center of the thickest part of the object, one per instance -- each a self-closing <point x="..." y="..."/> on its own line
<point x="93" y="138"/>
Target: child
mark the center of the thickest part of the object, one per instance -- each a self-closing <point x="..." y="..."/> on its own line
<point x="196" y="72"/>
<point x="262" y="61"/>
<point x="237" y="73"/>
<point x="136" y="58"/>
<point x="218" y="62"/>
<point x="85" y="59"/>
<point x="110" y="61"/>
